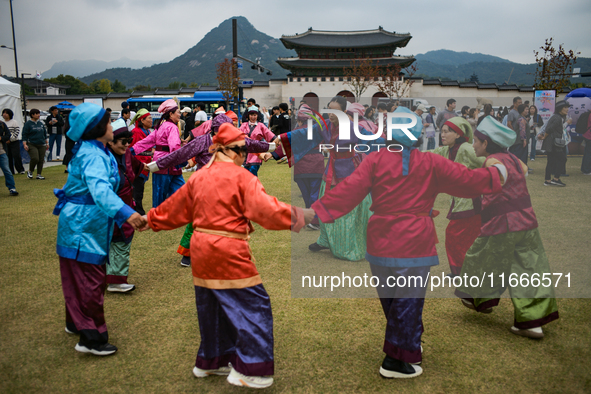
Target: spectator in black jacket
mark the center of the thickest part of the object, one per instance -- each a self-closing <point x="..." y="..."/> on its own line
<point x="556" y="152"/>
<point x="55" y="128"/>
<point x="8" y="178"/>
<point x="274" y="120"/>
<point x="15" y="162"/>
<point x="284" y="119"/>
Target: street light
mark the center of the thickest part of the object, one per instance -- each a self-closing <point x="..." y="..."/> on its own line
<point x="4" y="46"/>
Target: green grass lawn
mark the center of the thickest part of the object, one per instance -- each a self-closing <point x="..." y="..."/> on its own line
<point x="321" y="345"/>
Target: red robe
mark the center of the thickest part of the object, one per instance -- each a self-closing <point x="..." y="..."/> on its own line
<point x="224" y="197"/>
<point x="400" y="233"/>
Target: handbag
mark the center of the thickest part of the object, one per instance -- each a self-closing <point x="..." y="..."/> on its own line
<point x="560" y="142"/>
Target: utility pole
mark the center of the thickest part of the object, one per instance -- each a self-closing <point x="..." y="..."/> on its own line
<point x="14" y="41"/>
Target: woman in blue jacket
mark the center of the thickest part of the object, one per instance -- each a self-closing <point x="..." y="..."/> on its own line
<point x="88" y="207"/>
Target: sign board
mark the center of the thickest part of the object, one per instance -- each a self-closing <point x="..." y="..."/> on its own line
<point x="247" y="82"/>
<point x="97" y="101"/>
<point x="544" y="101"/>
<point x="239" y="65"/>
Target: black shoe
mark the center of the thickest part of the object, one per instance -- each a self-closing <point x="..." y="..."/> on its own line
<point x="548" y="183"/>
<point x="316" y="248"/>
<point x="470" y="305"/>
<point x="40" y="177"/>
<point x="29" y="175"/>
<point x="393" y="368"/>
<point x="186" y="261"/>
<point x="13" y="192"/>
<point x="557" y="182"/>
<point x="106" y="349"/>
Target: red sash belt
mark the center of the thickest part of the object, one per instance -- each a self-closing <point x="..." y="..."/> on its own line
<point x="501" y="208"/>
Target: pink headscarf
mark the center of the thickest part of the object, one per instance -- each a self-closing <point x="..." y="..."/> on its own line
<point x="168" y="106"/>
<point x="360" y="110"/>
<point x="305" y="112"/>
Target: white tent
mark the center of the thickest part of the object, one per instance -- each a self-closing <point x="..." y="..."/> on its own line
<point x="10" y="97"/>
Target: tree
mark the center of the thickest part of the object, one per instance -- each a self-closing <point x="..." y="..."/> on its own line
<point x="360" y="76"/>
<point x="118" y="87"/>
<point x="176" y="85"/>
<point x="392" y="83"/>
<point x="101" y="86"/>
<point x="554" y="66"/>
<point x="76" y="86"/>
<point x="228" y="77"/>
<point x="474" y="78"/>
<point x="143" y="88"/>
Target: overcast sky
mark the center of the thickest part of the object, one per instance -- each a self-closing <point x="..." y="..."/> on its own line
<point x="160" y="30"/>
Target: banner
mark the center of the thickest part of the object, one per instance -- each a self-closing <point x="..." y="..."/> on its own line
<point x="544" y="100"/>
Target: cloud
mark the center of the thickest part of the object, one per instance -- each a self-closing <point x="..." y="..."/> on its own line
<point x="150" y="29"/>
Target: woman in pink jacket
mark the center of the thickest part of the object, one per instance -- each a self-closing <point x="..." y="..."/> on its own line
<point x="256" y="131"/>
<point x="165" y="139"/>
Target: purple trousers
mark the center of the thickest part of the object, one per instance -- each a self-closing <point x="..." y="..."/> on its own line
<point x="236" y="326"/>
<point x="84" y="288"/>
<point x="403" y="307"/>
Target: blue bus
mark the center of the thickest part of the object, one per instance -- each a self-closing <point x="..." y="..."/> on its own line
<point x="211" y="99"/>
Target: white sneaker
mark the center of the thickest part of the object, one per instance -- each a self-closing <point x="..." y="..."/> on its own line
<point x="255" y="382"/>
<point x="203" y="373"/>
<point x="120" y="288"/>
<point x="535" y="333"/>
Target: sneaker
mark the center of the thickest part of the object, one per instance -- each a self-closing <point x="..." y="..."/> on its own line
<point x="587" y="173"/>
<point x="469" y="305"/>
<point x="13" y="192"/>
<point x="58" y="159"/>
<point x="532" y="159"/>
<point x="29" y="175"/>
<point x="548" y="183"/>
<point x="186" y="261"/>
<point x="316" y="248"/>
<point x="71" y="332"/>
<point x="256" y="382"/>
<point x="535" y="333"/>
<point x="557" y="183"/>
<point x="40" y="177"/>
<point x="105" y="349"/>
<point x="21" y="173"/>
<point x="120" y="288"/>
<point x="282" y="160"/>
<point x="313" y="227"/>
<point x="393" y="368"/>
<point x="203" y="373"/>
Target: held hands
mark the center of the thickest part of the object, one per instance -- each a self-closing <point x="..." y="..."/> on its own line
<point x="138" y="222"/>
<point x="147" y="226"/>
<point x="266" y="156"/>
<point x="309" y="215"/>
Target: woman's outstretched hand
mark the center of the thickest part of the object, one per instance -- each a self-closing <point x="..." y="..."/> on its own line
<point x="137" y="221"/>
